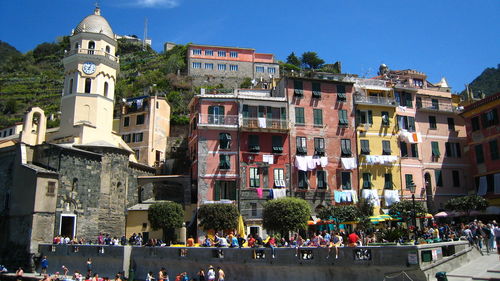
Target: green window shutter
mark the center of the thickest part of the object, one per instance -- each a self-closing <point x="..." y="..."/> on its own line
<point x="262" y="110"/>
<point x="388" y="181"/>
<point x="253" y="143"/>
<point x="447" y="150"/>
<point x="269" y="112"/>
<point x="435" y="149"/>
<point x="217" y="191"/>
<point x="343" y="121"/>
<point x="283" y="113"/>
<point x="439" y="178"/>
<point x="386" y="147"/>
<point x="411" y="124"/>
<point x="409" y="181"/>
<point x="385" y="118"/>
<point x="299" y="115"/>
<point x="408" y="100"/>
<point x="370" y="117"/>
<point x="245" y="111"/>
<point x="432" y="122"/>
<point x="316" y="90"/>
<point x="318" y="116"/>
<point x="341" y="89"/>
<point x="346" y="180"/>
<point x="345" y="146"/>
<point x="277" y="142"/>
<point x="414" y="150"/>
<point x="321" y="175"/>
<point x="233" y="195"/>
<point x="298" y="88"/>
<point x="367" y="180"/>
<point x="404" y="149"/>
<point x="358" y="117"/>
<point x="365" y="147"/>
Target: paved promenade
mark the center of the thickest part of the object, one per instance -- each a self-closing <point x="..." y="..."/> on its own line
<point x="485" y="267"/>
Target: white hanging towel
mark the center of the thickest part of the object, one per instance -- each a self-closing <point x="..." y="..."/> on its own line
<point x="323" y="161"/>
<point x="311" y="163"/>
<point x="269" y="159"/>
<point x="301" y="163"/>
<point x="391" y="197"/>
<point x="279" y="193"/>
<point x="262" y="122"/>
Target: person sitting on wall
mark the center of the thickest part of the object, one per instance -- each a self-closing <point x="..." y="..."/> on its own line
<point x="241" y="240"/>
<point x="207" y="242"/>
<point x="251" y="241"/>
<point x="353" y="239"/>
<point x="258" y="241"/>
<point x="190" y="242"/>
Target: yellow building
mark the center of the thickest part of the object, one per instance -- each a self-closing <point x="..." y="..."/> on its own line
<point x="377" y="142"/>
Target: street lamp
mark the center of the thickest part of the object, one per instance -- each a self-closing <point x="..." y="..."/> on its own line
<point x="412" y="187"/>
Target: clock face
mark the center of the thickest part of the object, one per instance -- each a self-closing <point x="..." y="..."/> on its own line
<point x="88" y="67"/>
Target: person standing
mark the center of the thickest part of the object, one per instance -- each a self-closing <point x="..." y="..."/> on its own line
<point x="211" y="273"/>
<point x="19" y="274"/>
<point x="201" y="275"/>
<point x="221" y="274"/>
<point x="89" y="267"/>
<point x="150" y="277"/>
<point x="45" y="264"/>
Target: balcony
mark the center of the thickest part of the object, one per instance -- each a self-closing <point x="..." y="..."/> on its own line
<point x="217" y="121"/>
<point x="374" y="100"/>
<point x="436" y="107"/>
<point x="92" y="52"/>
<point x="264" y="124"/>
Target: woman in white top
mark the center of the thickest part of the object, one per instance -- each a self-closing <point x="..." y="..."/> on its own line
<point x="211" y="273"/>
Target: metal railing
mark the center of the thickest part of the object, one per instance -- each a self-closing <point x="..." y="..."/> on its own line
<point x="93" y="52"/>
<point x="363" y="99"/>
<point x="441" y="106"/>
<point x="218" y="120"/>
<point x="265" y="123"/>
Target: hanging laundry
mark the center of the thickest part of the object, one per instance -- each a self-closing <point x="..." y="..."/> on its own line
<point x="338" y="196"/>
<point x="323" y="161"/>
<point x="311" y="163"/>
<point x="317" y="160"/>
<point x="301" y="163"/>
<point x="271" y="193"/>
<point x="391" y="197"/>
<point x="348" y="196"/>
<point x="262" y="122"/>
<point x="279" y="193"/>
<point x="343" y="196"/>
<point x="269" y="159"/>
<point x="371" y="196"/>
<point x="259" y="192"/>
<point x="348" y="163"/>
<point x="354" y="195"/>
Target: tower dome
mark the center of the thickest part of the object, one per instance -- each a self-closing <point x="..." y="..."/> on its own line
<point x="95" y="23"/>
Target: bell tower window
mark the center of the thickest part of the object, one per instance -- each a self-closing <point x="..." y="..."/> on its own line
<point x="88" y="84"/>
<point x="106" y="89"/>
<point x="70" y="86"/>
<point x="108" y="49"/>
<point x="91" y="47"/>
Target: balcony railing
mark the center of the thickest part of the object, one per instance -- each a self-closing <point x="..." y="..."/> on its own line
<point x="362" y="99"/>
<point x="265" y="123"/>
<point x="218" y="120"/>
<point x="92" y="52"/>
<point x="428" y="105"/>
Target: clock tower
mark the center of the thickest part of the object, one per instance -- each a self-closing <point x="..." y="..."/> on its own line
<point x="90" y="71"/>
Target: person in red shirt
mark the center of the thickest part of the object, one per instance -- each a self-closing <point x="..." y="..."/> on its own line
<point x="251" y="241"/>
<point x="353" y="239"/>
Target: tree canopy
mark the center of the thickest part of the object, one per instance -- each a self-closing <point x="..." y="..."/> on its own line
<point x="218" y="216"/>
<point x="405" y="209"/>
<point x="293" y="60"/>
<point x="467" y="204"/>
<point x="310" y="60"/>
<point x="166" y="216"/>
<point x="286" y="214"/>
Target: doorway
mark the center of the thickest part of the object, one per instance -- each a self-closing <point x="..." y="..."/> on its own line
<point x="68" y="226"/>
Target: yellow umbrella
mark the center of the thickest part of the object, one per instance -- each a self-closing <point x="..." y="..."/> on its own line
<point x="376" y="219"/>
<point x="241" y="227"/>
<point x="386" y="217"/>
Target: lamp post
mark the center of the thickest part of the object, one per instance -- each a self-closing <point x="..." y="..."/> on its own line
<point x="413" y="214"/>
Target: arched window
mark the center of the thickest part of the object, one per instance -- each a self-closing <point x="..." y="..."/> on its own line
<point x="106" y="89"/>
<point x="108" y="49"/>
<point x="74" y="185"/>
<point x="88" y="84"/>
<point x="91" y="47"/>
<point x="70" y="86"/>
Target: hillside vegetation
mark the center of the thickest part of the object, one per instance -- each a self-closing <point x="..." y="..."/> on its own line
<point x="36" y="78"/>
<point x="487" y="83"/>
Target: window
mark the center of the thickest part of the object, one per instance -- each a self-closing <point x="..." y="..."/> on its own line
<point x="456" y="178"/>
<point x="316" y="90"/>
<point x="345" y="181"/>
<point x="253" y="143"/>
<point x="452" y="149"/>
<point x="432" y="122"/>
<point x="489" y="118"/>
<point x="388" y="181"/>
<point x="221" y="53"/>
<point x="321" y="177"/>
<point x="126" y="121"/>
<point x="439" y="177"/>
<point x="216" y="114"/>
<point x="279" y="177"/>
<point x="409" y="181"/>
<point x="298" y="88"/>
<point x="365" y="147"/>
<point x="209" y="66"/>
<point x="254" y="209"/>
<point x="51" y="188"/>
<point x="404" y="149"/>
<point x="106" y="89"/>
<point x="224" y="141"/>
<point x="406" y="123"/>
<point x="196" y="64"/>
<point x="224" y="190"/>
<point x="451" y="124"/>
<point x="345" y="148"/>
<point x="367" y="180"/>
<point x="299" y="116"/>
<point x="196" y="51"/>
<point x="494" y="150"/>
<point x="475" y="123"/>
<point x="418" y="82"/>
<point x="271" y="70"/>
<point x="233" y="67"/>
<point x="138" y="137"/>
<point x="479" y="154"/>
<point x="319" y="146"/>
<point x="221" y="66"/>
<point x="140" y="119"/>
<point x="301" y="145"/>
<point x="364" y="117"/>
<point x="341" y="96"/>
<point x="209" y="52"/>
<point x="386" y="148"/>
<point x="435" y="149"/>
<point x="404" y="99"/>
<point x="385" y="118"/>
<point x="126" y="138"/>
<point x="71" y="86"/>
<point x="137" y="153"/>
<point x="414" y="150"/>
<point x="233" y="54"/>
<point x="277" y="144"/>
<point x="88" y="85"/>
<point x="224" y="161"/>
<point x="343" y="120"/>
<point x="419" y="102"/>
<point x="302" y="180"/>
<point x="259" y="69"/>
<point x="91" y="47"/>
<point x="435" y="104"/>
<point x="254" y="177"/>
<point x="318" y="117"/>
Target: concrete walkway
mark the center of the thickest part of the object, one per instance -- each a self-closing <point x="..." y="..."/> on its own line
<point x="485" y="267"/>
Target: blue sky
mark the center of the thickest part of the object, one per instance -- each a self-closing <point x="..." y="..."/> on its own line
<point x="457" y="39"/>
